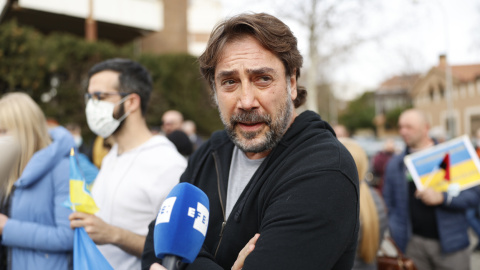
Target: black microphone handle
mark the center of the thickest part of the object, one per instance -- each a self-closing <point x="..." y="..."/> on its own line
<point x="171" y="262"/>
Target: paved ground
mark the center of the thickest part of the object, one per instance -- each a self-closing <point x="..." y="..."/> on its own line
<point x="475" y="259"/>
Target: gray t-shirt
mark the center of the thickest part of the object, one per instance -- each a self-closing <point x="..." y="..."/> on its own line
<point x="241" y="171"/>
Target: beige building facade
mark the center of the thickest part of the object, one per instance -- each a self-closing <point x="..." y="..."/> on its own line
<point x="430" y="95"/>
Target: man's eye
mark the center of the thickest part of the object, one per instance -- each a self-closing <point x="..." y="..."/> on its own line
<point x="228" y="82"/>
<point x="100" y="96"/>
<point x="263" y="80"/>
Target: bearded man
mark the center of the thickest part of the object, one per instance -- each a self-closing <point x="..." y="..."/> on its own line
<point x="277" y="181"/>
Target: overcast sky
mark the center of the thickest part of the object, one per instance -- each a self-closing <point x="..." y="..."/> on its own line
<point x="428" y="28"/>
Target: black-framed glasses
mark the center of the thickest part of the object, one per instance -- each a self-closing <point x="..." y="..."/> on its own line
<point x="102" y="95"/>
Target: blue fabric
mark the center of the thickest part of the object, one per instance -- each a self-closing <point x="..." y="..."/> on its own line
<point x="473" y="220"/>
<point x="38" y="231"/>
<point x="89" y="170"/>
<point x="451" y="222"/>
<point x="86" y="255"/>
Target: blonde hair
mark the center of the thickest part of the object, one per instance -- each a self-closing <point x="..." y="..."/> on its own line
<point x="368" y="211"/>
<point x="21" y="117"/>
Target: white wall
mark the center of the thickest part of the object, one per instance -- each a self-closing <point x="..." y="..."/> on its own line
<point x="2" y="5"/>
<point x="143" y="14"/>
<point x="202" y="16"/>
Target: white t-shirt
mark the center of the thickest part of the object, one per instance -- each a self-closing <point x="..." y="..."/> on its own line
<point x="130" y="189"/>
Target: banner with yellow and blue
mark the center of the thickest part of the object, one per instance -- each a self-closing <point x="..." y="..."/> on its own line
<point x="445" y="164"/>
<point x="86" y="255"/>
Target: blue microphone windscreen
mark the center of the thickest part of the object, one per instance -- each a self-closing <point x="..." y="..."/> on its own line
<point x="182" y="222"/>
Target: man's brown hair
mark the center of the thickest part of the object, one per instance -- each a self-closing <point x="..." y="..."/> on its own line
<point x="269" y="31"/>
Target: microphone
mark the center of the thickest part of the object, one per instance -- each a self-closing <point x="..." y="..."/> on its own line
<point x="181" y="225"/>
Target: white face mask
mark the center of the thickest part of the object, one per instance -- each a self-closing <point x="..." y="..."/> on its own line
<point x="100" y="117"/>
<point x="8" y="155"/>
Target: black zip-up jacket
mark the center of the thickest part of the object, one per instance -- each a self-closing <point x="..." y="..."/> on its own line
<point x="303" y="200"/>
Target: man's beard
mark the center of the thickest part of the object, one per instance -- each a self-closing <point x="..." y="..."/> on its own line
<point x="118" y="115"/>
<point x="276" y="128"/>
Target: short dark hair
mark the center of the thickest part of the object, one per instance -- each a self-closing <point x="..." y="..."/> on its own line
<point x="133" y="78"/>
<point x="272" y="33"/>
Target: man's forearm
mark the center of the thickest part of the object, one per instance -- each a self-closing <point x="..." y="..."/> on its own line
<point x="128" y="241"/>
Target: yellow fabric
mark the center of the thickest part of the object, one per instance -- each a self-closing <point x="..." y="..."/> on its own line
<point x="81" y="199"/>
<point x="99" y="151"/>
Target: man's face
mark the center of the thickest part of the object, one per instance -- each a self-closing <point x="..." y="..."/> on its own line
<point x="105" y="84"/>
<point x="252" y="96"/>
<point x="412" y="129"/>
<point x="171" y="122"/>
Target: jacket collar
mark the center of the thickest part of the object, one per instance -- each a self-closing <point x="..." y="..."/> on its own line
<point x="44" y="160"/>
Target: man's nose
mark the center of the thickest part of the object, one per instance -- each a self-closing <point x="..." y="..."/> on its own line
<point x="248" y="97"/>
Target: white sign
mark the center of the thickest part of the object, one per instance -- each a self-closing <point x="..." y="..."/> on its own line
<point x="201" y="219"/>
<point x="166" y="210"/>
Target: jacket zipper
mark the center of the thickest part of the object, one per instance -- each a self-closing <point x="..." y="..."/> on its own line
<point x="224" y="223"/>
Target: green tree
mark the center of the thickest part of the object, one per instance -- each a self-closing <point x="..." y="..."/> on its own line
<point x="359" y="113"/>
<point x="53" y="70"/>
<point x="391" y="117"/>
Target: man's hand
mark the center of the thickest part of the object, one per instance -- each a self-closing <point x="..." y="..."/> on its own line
<point x="249" y="247"/>
<point x="3" y="221"/>
<point x="157" y="266"/>
<point x="100" y="232"/>
<point x="429" y="196"/>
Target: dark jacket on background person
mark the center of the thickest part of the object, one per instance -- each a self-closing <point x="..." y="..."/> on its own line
<point x="303" y="200"/>
<point x="450" y="219"/>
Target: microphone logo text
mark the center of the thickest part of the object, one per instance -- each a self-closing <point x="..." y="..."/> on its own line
<point x="201" y="218"/>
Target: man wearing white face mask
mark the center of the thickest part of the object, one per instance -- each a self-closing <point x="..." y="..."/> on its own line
<point x="139" y="170"/>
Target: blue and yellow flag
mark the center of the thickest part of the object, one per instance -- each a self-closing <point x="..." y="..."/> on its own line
<point x="451" y="163"/>
<point x="80" y="197"/>
<point x="86" y="255"/>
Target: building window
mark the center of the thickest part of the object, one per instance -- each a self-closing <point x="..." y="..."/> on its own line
<point x="471" y="89"/>
<point x="441" y="90"/>
<point x="431" y="92"/>
<point x="463" y="91"/>
<point x="478" y="86"/>
<point x="474" y="124"/>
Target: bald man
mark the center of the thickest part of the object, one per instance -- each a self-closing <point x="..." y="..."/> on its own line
<point x="171" y="120"/>
<point x="429" y="226"/>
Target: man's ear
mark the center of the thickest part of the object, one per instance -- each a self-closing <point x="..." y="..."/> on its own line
<point x="133" y="103"/>
<point x="293" y="84"/>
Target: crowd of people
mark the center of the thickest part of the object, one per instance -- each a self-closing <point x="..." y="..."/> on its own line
<point x="286" y="190"/>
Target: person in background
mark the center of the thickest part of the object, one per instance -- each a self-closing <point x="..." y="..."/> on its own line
<point x="138" y="172"/>
<point x="380" y="161"/>
<point x="172" y="128"/>
<point x="275" y="178"/>
<point x="473" y="214"/>
<point x="101" y="147"/>
<point x="341" y="131"/>
<point x="476" y="143"/>
<point x="88" y="169"/>
<point x="171" y="120"/>
<point x="373" y="215"/>
<point x="190" y="129"/>
<point x="429" y="226"/>
<point x="182" y="142"/>
<point x="34" y="224"/>
<point x="76" y="132"/>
